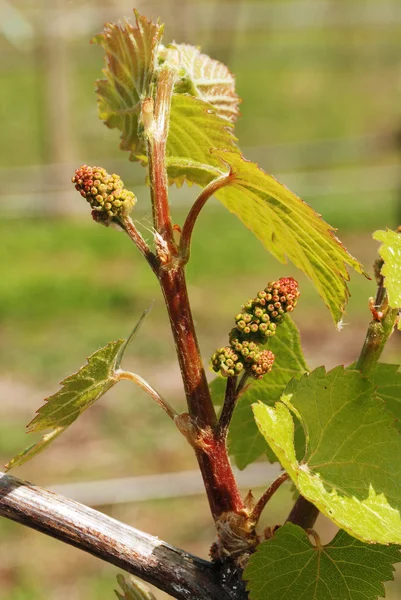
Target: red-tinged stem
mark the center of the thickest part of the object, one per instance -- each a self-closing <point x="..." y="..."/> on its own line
<point x="156" y="118"/>
<point x="196" y="387"/>
<point x="304" y="513"/>
<point x="380" y="328"/>
<point x="210" y="449"/>
<point x="218" y="477"/>
<point x="230" y="400"/>
<point x="206" y="193"/>
<point x="264" y="499"/>
<point x="211" y="452"/>
<point x="140" y="243"/>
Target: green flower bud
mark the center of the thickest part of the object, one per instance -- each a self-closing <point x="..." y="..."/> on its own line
<point x="106" y="194"/>
<point x="227" y="362"/>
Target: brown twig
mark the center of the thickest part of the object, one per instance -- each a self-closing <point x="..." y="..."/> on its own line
<point x="170" y="569"/>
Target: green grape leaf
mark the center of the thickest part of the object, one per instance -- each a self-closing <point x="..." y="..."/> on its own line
<point x="289" y="566"/>
<point x="78" y="393"/>
<point x="288" y="227"/>
<point x="201" y="146"/>
<point x="351" y="469"/>
<point x="387" y="378"/>
<point x="133" y="589"/>
<point x="390" y="251"/>
<point x="195" y="129"/>
<point x="245" y="441"/>
<point x="130" y="57"/>
<point x="204" y="78"/>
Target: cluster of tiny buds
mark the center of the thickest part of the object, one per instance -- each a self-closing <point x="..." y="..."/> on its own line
<point x="254" y="325"/>
<point x="105" y="193"/>
<point x="231" y="360"/>
<point x="259" y="317"/>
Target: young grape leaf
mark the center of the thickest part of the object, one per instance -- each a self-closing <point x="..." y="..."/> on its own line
<point x="289" y="566"/>
<point x="133" y="589"/>
<point x="131" y="56"/>
<point x="388" y="381"/>
<point x="205" y="78"/>
<point x="284" y="224"/>
<point x="288" y="227"/>
<point x="246" y="443"/>
<point x="351" y="469"/>
<point x="195" y="129"/>
<point x="390" y="251"/>
<point x="78" y="393"/>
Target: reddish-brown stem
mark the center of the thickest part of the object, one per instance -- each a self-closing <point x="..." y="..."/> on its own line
<point x="140" y="243"/>
<point x="233" y="392"/>
<point x="304" y="513"/>
<point x="197" y="392"/>
<point x="211" y="451"/>
<point x="264" y="499"/>
<point x="206" y="193"/>
<point x="242" y="383"/>
<point x="156" y="121"/>
<point x="380" y="328"/>
<point x="230" y="400"/>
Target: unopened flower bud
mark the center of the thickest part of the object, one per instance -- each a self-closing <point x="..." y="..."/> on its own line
<point x="262" y="363"/>
<point x="227" y="362"/>
<point x="260" y="316"/>
<point x="106" y="194"/>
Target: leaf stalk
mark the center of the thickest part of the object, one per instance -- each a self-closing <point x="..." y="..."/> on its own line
<point x="206" y="193"/>
<point x="264" y="499"/>
<point x="144" y="385"/>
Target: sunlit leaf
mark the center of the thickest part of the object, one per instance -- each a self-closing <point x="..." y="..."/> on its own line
<point x="130" y="57"/>
<point x="79" y="391"/>
<point x="288" y="227"/>
<point x="388" y="381"/>
<point x="390" y="251"/>
<point x="201" y="146"/>
<point x="351" y="469"/>
<point x="289" y="566"/>
<point x="205" y="78"/>
<point x="194" y="130"/>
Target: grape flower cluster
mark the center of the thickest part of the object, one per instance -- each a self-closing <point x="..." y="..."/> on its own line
<point x="106" y="194"/>
<point x="254" y="325"/>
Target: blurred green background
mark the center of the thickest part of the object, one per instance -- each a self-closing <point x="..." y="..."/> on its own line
<point x="321" y="84"/>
